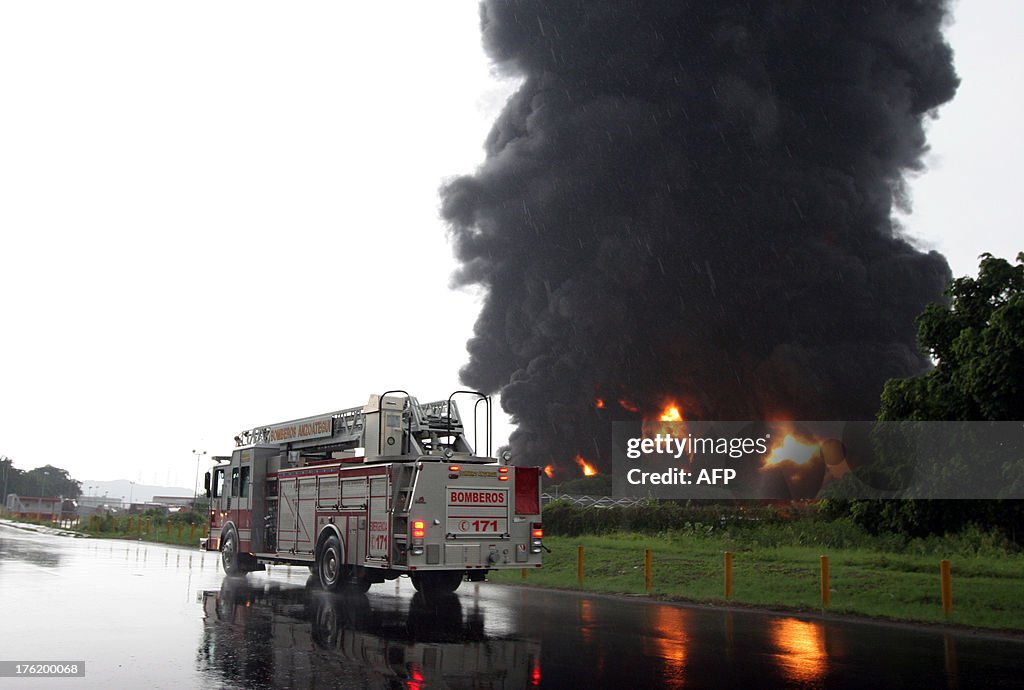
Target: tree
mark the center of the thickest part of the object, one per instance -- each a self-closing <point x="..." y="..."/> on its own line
<point x="8" y="476"/>
<point x="47" y="481"/>
<point x="977" y="342"/>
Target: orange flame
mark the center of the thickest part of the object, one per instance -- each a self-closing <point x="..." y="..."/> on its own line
<point x="792" y="449"/>
<point x="549" y="471"/>
<point x="671" y="413"/>
<point x="588" y="469"/>
<point x="626" y="405"/>
<point x="599" y="403"/>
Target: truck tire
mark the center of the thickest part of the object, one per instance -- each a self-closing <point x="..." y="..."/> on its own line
<point x="330" y="565"/>
<point x="230" y="559"/>
<point x="437" y="582"/>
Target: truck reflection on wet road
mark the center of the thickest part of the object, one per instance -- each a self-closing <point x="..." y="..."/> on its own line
<point x="301" y="637"/>
<point x="147" y="615"/>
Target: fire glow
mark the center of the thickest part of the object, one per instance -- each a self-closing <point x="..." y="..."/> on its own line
<point x="588" y="469"/>
<point x="793" y="449"/>
<point x="671" y="413"/>
<point x="549" y="471"/>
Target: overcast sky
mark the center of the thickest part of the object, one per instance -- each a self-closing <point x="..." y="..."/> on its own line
<point x="220" y="215"/>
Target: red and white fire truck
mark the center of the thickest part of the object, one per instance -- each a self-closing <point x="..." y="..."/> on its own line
<point x="369" y="493"/>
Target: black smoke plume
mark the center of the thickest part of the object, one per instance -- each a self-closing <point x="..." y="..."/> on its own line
<point x="693" y="201"/>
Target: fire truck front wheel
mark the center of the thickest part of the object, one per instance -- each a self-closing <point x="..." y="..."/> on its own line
<point x="230" y="558"/>
<point x="330" y="565"/>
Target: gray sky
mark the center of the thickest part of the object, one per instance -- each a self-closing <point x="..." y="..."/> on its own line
<point x="218" y="215"/>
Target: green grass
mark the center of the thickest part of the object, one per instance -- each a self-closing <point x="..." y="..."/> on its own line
<point x="155" y="533"/>
<point x="905" y="585"/>
<point x="160" y="531"/>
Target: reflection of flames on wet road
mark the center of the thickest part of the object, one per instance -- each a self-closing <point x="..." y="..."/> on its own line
<point x="802" y="654"/>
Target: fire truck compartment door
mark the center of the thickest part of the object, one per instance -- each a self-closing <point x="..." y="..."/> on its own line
<point x="287" y="509"/>
<point x="378" y="537"/>
<point x="479" y="512"/>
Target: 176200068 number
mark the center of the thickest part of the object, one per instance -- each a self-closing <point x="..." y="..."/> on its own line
<point x="41" y="669"/>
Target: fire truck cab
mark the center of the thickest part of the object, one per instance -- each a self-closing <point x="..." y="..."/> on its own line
<point x="367" y="494"/>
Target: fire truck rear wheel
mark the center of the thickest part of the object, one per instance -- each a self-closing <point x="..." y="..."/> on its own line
<point x="437" y="582"/>
<point x="330" y="565"/>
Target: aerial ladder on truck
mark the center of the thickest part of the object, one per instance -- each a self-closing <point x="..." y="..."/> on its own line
<point x="366" y="494"/>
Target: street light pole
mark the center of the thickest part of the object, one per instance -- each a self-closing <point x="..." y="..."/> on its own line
<point x="195" y="495"/>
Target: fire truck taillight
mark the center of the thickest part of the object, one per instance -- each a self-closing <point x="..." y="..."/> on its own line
<point x="418" y="532"/>
<point x="536" y="536"/>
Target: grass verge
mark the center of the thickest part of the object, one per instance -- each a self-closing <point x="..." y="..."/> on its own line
<point x="904" y="586"/>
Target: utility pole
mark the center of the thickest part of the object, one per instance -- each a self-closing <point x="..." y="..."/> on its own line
<point x="195" y="495"/>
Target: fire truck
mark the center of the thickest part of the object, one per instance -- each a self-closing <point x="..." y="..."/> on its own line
<point x="369" y="493"/>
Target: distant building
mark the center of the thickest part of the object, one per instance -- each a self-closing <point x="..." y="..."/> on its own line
<point x="140" y="508"/>
<point x="174" y="501"/>
<point x="33" y="506"/>
<point x="97" y="505"/>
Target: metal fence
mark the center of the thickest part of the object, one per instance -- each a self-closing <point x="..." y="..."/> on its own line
<point x="590" y="501"/>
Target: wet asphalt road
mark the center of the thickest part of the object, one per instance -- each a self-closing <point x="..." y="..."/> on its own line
<point x="146" y="615"/>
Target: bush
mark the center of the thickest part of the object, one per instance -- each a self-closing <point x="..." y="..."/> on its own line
<point x="186" y="517"/>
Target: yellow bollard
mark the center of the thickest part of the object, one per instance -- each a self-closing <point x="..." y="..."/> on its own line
<point x="179" y="531"/>
<point x="579" y="564"/>
<point x="192" y="531"/>
<point x="947" y="587"/>
<point x="149" y="525"/>
<point x="130" y="524"/>
<point x="826" y="593"/>
<point x="728" y="574"/>
<point x="202" y="532"/>
<point x="647" y="570"/>
<point x="522" y="573"/>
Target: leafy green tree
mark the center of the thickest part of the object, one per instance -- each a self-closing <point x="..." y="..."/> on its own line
<point x="47" y="481"/>
<point x="9" y="475"/>
<point x="977" y="342"/>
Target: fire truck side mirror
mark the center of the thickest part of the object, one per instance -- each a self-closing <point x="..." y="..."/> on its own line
<point x="206" y="483"/>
